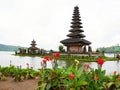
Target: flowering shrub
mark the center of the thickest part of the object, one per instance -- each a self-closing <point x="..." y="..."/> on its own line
<point x="18" y="73"/>
<point x="53" y="59"/>
<point x="77" y="77"/>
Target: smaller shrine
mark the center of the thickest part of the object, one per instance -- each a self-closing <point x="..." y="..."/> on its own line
<point x="33" y="49"/>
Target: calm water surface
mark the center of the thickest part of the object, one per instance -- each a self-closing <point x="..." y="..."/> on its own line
<point x="35" y="62"/>
<point x="6" y="57"/>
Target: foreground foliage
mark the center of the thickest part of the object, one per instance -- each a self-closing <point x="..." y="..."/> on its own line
<point x="77" y="77"/>
<point x="17" y="73"/>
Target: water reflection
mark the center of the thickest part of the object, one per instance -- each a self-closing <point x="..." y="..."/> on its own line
<point x="109" y="66"/>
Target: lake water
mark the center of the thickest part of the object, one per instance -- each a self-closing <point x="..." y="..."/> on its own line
<point x="35" y="62"/>
<point x="6" y="57"/>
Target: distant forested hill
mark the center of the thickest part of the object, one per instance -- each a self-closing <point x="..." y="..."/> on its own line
<point x="111" y="49"/>
<point x="8" y="47"/>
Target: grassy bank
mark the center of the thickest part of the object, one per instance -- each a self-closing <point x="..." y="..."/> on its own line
<point x="71" y="57"/>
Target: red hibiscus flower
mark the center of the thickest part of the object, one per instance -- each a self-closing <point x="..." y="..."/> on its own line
<point x="100" y="61"/>
<point x="72" y="76"/>
<point x="47" y="58"/>
<point x="57" y="54"/>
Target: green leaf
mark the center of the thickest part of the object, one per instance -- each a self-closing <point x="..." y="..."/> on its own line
<point x="48" y="87"/>
<point x="83" y="83"/>
<point x="41" y="87"/>
<point x="79" y="72"/>
<point x="110" y="84"/>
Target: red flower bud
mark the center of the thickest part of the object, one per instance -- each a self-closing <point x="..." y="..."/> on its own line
<point x="83" y="70"/>
<point x="52" y="73"/>
<point x="86" y="66"/>
<point x="44" y="61"/>
<point x="96" y="77"/>
<point x="115" y="72"/>
<point x="27" y="65"/>
<point x="57" y="54"/>
<point x="72" y="76"/>
<point x="100" y="61"/>
<point x="50" y="59"/>
<point x="47" y="58"/>
<point x="119" y="78"/>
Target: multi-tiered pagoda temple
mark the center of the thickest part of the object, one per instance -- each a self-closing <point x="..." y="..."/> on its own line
<point x="75" y="43"/>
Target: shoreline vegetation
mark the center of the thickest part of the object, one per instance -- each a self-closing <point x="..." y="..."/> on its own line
<point x="82" y="58"/>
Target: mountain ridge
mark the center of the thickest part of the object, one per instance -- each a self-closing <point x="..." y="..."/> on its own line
<point x="4" y="47"/>
<point x="111" y="49"/>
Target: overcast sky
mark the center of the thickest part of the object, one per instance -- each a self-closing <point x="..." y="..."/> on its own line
<point x="48" y="22"/>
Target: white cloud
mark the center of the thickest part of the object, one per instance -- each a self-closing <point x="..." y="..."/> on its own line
<point x="48" y="22"/>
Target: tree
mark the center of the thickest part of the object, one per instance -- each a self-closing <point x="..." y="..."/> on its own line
<point x="61" y="48"/>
